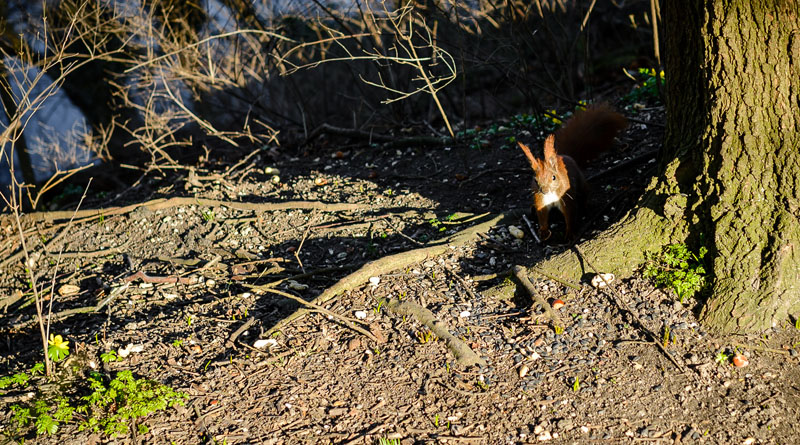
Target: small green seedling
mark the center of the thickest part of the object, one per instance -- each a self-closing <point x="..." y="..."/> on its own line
<point x="177" y="343"/>
<point x="722" y="358"/>
<point x="110" y="356"/>
<point x="208" y="215"/>
<point x="424" y="336"/>
<point x="387" y="441"/>
<point x="576" y="385"/>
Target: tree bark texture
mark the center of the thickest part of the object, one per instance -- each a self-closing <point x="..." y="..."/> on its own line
<point x="733" y="148"/>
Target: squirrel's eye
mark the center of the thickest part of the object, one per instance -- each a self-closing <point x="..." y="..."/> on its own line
<point x="554" y="177"/>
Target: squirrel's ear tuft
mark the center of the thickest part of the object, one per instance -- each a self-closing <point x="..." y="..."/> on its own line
<point x="550" y="147"/>
<point x="533" y="161"/>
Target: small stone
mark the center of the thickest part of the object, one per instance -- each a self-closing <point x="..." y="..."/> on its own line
<point x="361" y="314"/>
<point x="516" y="232"/>
<point x="374" y="280"/>
<point x="565" y="424"/>
<point x="523" y="371"/>
<point x="68" y="289"/>
<point x="294" y="285"/>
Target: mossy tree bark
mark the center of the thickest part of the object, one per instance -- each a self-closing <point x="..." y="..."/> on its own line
<point x="730" y="168"/>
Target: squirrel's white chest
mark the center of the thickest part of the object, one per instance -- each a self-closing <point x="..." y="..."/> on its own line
<point x="549" y="199"/>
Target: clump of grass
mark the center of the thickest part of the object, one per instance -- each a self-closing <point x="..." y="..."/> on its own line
<point x="678" y="268"/>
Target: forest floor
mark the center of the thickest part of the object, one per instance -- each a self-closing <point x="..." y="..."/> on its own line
<point x="188" y="288"/>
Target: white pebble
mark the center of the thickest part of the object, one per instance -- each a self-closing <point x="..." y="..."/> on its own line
<point x="264" y="343"/>
<point x="600" y="280"/>
<point x="361" y="314"/>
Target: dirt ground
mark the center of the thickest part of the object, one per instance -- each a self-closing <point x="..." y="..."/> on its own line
<point x="365" y="371"/>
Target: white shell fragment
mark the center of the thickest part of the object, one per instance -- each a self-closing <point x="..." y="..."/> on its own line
<point x="374" y="280"/>
<point x="361" y="315"/>
<point x="516" y="232"/>
<point x="265" y="343"/>
<point x="294" y="285"/>
<point x="130" y="348"/>
<point x="599" y="281"/>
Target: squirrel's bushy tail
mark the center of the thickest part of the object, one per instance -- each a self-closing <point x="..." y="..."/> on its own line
<point x="589" y="133"/>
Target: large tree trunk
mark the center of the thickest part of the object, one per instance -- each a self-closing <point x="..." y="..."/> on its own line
<point x="730" y="167"/>
<point x="734" y="75"/>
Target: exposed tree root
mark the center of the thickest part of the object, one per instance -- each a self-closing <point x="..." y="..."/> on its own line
<point x="519" y="272"/>
<point x="618" y="250"/>
<point x="391" y="263"/>
<point x="463" y="354"/>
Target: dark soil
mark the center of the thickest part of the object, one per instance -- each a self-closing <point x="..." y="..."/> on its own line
<point x="602" y="380"/>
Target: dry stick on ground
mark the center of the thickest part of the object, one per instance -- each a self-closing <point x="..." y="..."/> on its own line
<point x="347" y="321"/>
<point x="519" y="272"/>
<point x="617" y="299"/>
<point x="163" y="203"/>
<point x="115" y="292"/>
<point x="391" y="263"/>
<point x="463" y="354"/>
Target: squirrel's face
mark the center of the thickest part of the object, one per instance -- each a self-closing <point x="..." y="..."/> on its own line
<point x="549" y="178"/>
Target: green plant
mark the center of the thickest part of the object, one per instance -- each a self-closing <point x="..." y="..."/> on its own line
<point x="424" y="336"/>
<point x="111" y="407"/>
<point x="665" y="336"/>
<point x="387" y="441"/>
<point x="436" y="224"/>
<point x="177" y="343"/>
<point x="208" y="215"/>
<point x="647" y="89"/>
<point x="377" y="309"/>
<point x="576" y="385"/>
<point x="678" y="268"/>
<point x="57" y="348"/>
<point x="110" y="356"/>
<point x="721" y="358"/>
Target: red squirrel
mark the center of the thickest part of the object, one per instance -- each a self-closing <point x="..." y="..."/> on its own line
<point x="558" y="180"/>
